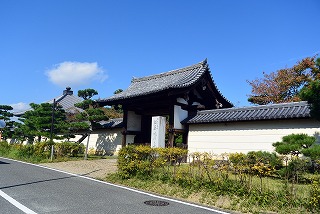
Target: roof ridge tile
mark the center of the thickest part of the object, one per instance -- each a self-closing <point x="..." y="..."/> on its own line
<point x="168" y="73"/>
<point x="265" y="112"/>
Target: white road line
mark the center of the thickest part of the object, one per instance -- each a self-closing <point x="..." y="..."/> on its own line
<point x="127" y="188"/>
<point x="16" y="203"/>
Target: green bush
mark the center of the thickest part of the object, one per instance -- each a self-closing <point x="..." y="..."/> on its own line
<point x="295" y="170"/>
<point x="26" y="151"/>
<point x="42" y="149"/>
<point x="314" y="199"/>
<point x="144" y="160"/>
<point x="266" y="158"/>
<point x="4" y="148"/>
<point x="68" y="149"/>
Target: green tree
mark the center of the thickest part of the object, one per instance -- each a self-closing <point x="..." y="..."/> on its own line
<point x="114" y="111"/>
<point x="313" y="152"/>
<point x="294" y="144"/>
<point x="92" y="112"/>
<point x="6" y="115"/>
<point x="86" y="95"/>
<point x="37" y="122"/>
<point x="118" y="108"/>
<point x="285" y="84"/>
<point x="311" y="93"/>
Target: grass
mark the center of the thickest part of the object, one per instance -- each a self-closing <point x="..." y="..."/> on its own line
<point x="234" y="202"/>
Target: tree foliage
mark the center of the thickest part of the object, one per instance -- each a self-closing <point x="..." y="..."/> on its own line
<point x="37" y="122"/>
<point x="313" y="152"/>
<point x="311" y="93"/>
<point x="294" y="144"/>
<point x="92" y="112"/>
<point x="86" y="95"/>
<point x="118" y="108"/>
<point x="6" y="115"/>
<point x="114" y="111"/>
<point x="285" y="84"/>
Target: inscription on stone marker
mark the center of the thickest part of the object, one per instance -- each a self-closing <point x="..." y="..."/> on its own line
<point x="158" y="132"/>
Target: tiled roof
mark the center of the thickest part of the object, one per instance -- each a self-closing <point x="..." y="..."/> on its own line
<point x="112" y="123"/>
<point x="263" y="112"/>
<point x="179" y="78"/>
<point x="67" y="101"/>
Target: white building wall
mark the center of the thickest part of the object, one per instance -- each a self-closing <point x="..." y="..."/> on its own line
<point x="218" y="138"/>
<point x="134" y="121"/>
<point x="105" y="141"/>
<point x="179" y="115"/>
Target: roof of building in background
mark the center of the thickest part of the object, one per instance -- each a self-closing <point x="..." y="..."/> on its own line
<point x="262" y="112"/>
<point x="175" y="79"/>
<point x="66" y="100"/>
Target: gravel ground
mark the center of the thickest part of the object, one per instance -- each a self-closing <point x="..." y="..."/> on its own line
<point x="91" y="168"/>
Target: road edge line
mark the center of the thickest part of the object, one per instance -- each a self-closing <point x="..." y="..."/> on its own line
<point x="16" y="203"/>
<point x="124" y="187"/>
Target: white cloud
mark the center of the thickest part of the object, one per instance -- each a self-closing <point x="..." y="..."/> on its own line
<point x="18" y="107"/>
<point x="75" y="73"/>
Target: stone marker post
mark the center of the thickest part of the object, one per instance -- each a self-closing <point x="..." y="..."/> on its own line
<point x="158" y="132"/>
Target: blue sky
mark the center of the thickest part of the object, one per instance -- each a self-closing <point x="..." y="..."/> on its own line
<point x="101" y="44"/>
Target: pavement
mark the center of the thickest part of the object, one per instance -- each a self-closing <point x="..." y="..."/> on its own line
<point x="29" y="188"/>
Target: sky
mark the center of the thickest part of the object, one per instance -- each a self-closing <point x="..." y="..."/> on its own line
<point x="47" y="45"/>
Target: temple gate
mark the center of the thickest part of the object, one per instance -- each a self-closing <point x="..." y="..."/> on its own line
<point x="175" y="95"/>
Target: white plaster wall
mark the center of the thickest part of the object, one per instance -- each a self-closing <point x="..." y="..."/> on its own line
<point x="134" y="121"/>
<point x="108" y="141"/>
<point x="179" y="115"/>
<point x="130" y="139"/>
<point x="243" y="137"/>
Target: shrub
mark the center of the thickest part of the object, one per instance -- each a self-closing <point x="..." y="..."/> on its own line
<point x="26" y="150"/>
<point x="4" y="148"/>
<point x="172" y="155"/>
<point x="68" y="149"/>
<point x="266" y="158"/>
<point x="314" y="200"/>
<point x="42" y="149"/>
<point x="144" y="160"/>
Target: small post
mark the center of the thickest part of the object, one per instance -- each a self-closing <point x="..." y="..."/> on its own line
<point x="51" y="157"/>
<point x="52" y="127"/>
<point x="87" y="147"/>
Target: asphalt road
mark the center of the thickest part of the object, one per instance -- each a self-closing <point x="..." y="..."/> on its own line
<point x="27" y="188"/>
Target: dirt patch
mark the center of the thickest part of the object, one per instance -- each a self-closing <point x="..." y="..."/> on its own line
<point x="91" y="168"/>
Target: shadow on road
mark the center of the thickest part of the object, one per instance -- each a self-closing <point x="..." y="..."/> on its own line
<point x="1" y="162"/>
